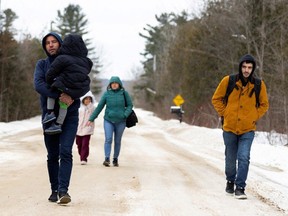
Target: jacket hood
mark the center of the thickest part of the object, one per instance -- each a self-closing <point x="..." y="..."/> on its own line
<point x="88" y="94"/>
<point x="248" y="59"/>
<point x="73" y="44"/>
<point x="117" y="80"/>
<point x="44" y="41"/>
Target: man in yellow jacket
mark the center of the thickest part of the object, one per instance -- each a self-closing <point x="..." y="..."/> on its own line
<point x="239" y="115"/>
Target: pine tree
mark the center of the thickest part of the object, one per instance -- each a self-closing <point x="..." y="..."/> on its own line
<point x="73" y="20"/>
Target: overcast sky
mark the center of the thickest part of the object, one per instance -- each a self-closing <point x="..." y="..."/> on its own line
<point x="114" y="25"/>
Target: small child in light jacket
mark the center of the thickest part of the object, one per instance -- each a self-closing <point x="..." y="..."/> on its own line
<point x="84" y="132"/>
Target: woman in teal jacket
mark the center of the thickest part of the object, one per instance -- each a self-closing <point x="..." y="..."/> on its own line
<point x="116" y="112"/>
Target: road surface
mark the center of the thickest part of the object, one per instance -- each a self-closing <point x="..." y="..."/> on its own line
<point x="155" y="177"/>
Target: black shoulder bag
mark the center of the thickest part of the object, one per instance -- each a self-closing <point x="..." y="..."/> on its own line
<point x="132" y="119"/>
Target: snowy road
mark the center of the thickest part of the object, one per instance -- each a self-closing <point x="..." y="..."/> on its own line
<point x="162" y="172"/>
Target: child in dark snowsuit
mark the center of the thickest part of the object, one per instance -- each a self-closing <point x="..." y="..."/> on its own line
<point x="68" y="74"/>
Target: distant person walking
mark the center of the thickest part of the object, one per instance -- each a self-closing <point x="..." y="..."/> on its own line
<point x="239" y="113"/>
<point x="115" y="116"/>
<point x="84" y="132"/>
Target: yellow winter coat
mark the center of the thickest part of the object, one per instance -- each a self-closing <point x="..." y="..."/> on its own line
<point x="240" y="114"/>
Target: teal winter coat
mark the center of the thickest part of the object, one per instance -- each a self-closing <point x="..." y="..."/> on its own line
<point x="115" y="111"/>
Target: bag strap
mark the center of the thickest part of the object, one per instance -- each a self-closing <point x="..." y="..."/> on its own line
<point x="231" y="85"/>
<point x="125" y="99"/>
<point x="256" y="89"/>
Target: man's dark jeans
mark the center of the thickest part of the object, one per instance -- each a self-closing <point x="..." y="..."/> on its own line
<point x="237" y="149"/>
<point x="59" y="157"/>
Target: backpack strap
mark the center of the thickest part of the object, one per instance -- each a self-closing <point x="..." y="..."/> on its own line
<point x="231" y="85"/>
<point x="256" y="89"/>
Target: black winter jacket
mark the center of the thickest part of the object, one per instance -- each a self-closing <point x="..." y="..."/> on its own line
<point x="69" y="71"/>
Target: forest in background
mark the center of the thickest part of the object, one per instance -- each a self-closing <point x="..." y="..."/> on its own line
<point x="185" y="54"/>
<point x="18" y="99"/>
<point x="189" y="55"/>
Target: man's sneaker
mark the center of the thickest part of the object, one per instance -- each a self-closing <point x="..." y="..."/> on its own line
<point x="115" y="162"/>
<point x="239" y="193"/>
<point x="229" y="187"/>
<point x="53" y="197"/>
<point x="106" y="162"/>
<point x="48" y="117"/>
<point x="53" y="129"/>
<point x="64" y="198"/>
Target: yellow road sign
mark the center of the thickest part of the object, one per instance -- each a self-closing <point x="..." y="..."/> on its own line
<point x="178" y="100"/>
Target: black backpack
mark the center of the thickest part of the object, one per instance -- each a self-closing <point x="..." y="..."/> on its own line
<point x="233" y="78"/>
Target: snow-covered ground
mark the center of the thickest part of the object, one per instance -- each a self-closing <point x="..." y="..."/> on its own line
<point x="268" y="174"/>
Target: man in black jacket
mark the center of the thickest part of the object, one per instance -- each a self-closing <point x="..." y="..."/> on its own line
<point x="59" y="146"/>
